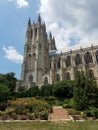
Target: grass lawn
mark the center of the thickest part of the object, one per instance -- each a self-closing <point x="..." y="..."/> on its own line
<point x="91" y="125"/>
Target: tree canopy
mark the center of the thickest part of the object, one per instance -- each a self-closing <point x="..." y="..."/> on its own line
<point x="9" y="80"/>
<point x="85" y="92"/>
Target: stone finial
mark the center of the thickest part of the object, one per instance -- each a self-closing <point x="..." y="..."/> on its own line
<point x="50" y="36"/>
<point x="29" y="22"/>
<point x="39" y="19"/>
<point x="53" y="39"/>
<point x="44" y="25"/>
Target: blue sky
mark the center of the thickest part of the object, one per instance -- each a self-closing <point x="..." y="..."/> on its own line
<point x="13" y="22"/>
<point x="73" y="23"/>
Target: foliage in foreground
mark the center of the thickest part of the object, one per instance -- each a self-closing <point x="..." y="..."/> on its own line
<point x="4" y="92"/>
<point x="32" y="108"/>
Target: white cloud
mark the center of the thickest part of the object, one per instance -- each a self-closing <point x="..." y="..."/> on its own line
<point x="20" y="3"/>
<point x="12" y="54"/>
<point x="72" y="22"/>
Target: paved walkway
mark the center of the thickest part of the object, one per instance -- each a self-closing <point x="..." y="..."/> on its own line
<point x="59" y="114"/>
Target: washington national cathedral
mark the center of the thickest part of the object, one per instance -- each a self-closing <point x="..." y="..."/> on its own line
<point x="43" y="65"/>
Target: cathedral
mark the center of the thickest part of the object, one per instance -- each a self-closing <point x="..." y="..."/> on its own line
<point x="43" y="65"/>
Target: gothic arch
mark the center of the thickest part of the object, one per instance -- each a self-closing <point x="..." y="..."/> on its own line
<point x="68" y="76"/>
<point x="31" y="33"/>
<point x="68" y="61"/>
<point x="29" y="58"/>
<point x="30" y="78"/>
<point x="91" y="74"/>
<point x="96" y="56"/>
<point x="78" y="59"/>
<point x="58" y="77"/>
<point x="55" y="64"/>
<point x="88" y="58"/>
<point x="46" y="80"/>
<point x="50" y="64"/>
<point x="59" y="61"/>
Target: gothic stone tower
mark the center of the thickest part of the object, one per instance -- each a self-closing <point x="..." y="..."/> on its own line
<point x="36" y="59"/>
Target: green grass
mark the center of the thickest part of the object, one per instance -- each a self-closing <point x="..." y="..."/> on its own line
<point x="91" y="125"/>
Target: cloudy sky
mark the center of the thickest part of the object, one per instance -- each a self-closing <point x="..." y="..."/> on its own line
<point x="73" y="23"/>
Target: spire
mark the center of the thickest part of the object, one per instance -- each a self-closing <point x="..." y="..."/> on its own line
<point x="50" y="36"/>
<point x="54" y="43"/>
<point x="39" y="19"/>
<point x="44" y="26"/>
<point x="29" y="23"/>
<point x="53" y="39"/>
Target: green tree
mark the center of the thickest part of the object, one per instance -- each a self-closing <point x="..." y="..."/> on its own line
<point x="85" y="92"/>
<point x="4" y="92"/>
<point x="32" y="92"/>
<point x="64" y="89"/>
<point x="46" y="90"/>
<point x="9" y="80"/>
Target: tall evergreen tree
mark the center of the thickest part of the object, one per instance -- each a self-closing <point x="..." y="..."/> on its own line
<point x="85" y="92"/>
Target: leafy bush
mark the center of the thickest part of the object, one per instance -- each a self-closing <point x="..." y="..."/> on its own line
<point x="4" y="92"/>
<point x="31" y="116"/>
<point x="85" y="92"/>
<point x="93" y="112"/>
<point x="69" y="104"/>
<point x="46" y="90"/>
<point x="14" y="116"/>
<point x="73" y="111"/>
<point x="3" y="106"/>
<point x="44" y="115"/>
<point x="39" y="108"/>
<point x="9" y="111"/>
<point x="51" y="99"/>
<point x="64" y="89"/>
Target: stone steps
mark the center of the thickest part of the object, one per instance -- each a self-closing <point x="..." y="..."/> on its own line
<point x="59" y="114"/>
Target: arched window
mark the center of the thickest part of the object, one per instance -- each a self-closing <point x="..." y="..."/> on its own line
<point x="31" y="33"/>
<point x="78" y="59"/>
<point x="97" y="55"/>
<point x="55" y="64"/>
<point x="29" y="61"/>
<point x="68" y="61"/>
<point x="88" y="58"/>
<point x="30" y="78"/>
<point x="50" y="64"/>
<point x="59" y="62"/>
<point x="35" y="30"/>
<point x="68" y="76"/>
<point x="58" y="77"/>
<point x="91" y="74"/>
<point x="46" y="80"/>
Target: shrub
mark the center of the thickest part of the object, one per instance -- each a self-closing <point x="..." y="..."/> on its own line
<point x="28" y="106"/>
<point x="36" y="114"/>
<point x="3" y="106"/>
<point x="31" y="116"/>
<point x="92" y="112"/>
<point x="9" y="111"/>
<point x="73" y="112"/>
<point x="44" y="115"/>
<point x="14" y="116"/>
<point x="69" y="104"/>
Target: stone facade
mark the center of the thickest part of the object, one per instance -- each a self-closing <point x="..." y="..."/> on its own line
<point x="43" y="64"/>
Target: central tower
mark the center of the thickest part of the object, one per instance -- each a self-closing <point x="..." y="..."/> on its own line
<point x="35" y="63"/>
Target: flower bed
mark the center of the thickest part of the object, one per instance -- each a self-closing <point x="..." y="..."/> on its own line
<point x="24" y="109"/>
